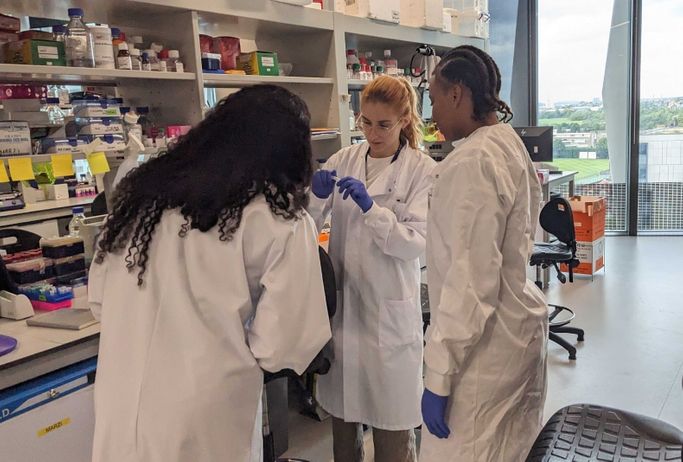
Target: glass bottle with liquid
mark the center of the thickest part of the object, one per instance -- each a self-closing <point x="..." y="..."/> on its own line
<point x="79" y="44"/>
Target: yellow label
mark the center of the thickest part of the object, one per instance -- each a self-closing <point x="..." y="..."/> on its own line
<point x="21" y="169"/>
<point x="98" y="163"/>
<point x="4" y="178"/>
<point x="53" y="427"/>
<point x="62" y="165"/>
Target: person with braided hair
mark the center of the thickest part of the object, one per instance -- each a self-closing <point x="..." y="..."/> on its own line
<point x="207" y="273"/>
<point x="485" y="355"/>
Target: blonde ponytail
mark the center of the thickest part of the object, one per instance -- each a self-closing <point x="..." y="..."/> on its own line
<point x="398" y="93"/>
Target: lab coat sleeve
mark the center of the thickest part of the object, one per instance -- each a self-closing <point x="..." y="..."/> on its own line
<point x="290" y="324"/>
<point x="474" y="228"/>
<point x="405" y="238"/>
<point x="318" y="208"/>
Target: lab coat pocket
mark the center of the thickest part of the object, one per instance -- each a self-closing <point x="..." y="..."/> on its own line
<point x="399" y="323"/>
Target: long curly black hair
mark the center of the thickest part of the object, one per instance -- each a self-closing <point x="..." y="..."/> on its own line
<point x="477" y="70"/>
<point x="255" y="141"/>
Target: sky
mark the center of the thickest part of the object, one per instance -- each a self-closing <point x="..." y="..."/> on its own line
<point x="573" y="40"/>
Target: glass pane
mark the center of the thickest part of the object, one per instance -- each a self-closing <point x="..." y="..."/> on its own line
<point x="660" y="195"/>
<point x="584" y="63"/>
<point x="502" y="41"/>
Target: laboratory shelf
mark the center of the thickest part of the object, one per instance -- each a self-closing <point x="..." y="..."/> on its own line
<point x="385" y="33"/>
<point x="357" y="134"/>
<point x="325" y="137"/>
<point x="237" y="81"/>
<point x="23" y="73"/>
<point x="355" y="83"/>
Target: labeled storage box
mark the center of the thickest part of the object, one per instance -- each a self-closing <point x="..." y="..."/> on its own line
<point x="63" y="145"/>
<point x="591" y="256"/>
<point x="40" y="52"/>
<point x="9" y="23"/>
<point x="62" y="247"/>
<point x="259" y="63"/>
<point x="379" y="10"/>
<point x="15" y="139"/>
<point x="427" y="14"/>
<point x="472" y="23"/>
<point x="99" y="126"/>
<point x="110" y="143"/>
<point x="589" y="217"/>
<point x="101" y="108"/>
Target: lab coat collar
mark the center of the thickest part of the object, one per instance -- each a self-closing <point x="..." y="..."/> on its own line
<point x="386" y="182"/>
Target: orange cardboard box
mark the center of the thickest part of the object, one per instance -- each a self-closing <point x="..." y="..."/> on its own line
<point x="589" y="217"/>
<point x="591" y="256"/>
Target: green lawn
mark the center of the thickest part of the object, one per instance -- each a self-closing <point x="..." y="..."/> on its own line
<point x="587" y="168"/>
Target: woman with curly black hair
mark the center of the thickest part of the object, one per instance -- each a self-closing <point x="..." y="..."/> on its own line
<point x="206" y="272"/>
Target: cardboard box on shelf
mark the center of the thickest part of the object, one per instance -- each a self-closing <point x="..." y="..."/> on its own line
<point x="9" y="23"/>
<point x="41" y="52"/>
<point x="589" y="217"/>
<point x="15" y="139"/>
<point x="591" y="256"/>
<point x="427" y="14"/>
<point x="259" y="63"/>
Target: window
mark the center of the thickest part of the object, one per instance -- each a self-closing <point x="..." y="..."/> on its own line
<point x="583" y="81"/>
<point x="660" y="193"/>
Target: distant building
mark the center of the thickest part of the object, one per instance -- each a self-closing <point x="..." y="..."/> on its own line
<point x="661" y="158"/>
<point x="578" y="140"/>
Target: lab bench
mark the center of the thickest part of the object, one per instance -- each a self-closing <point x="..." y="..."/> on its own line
<point x="44" y="213"/>
<point x="41" y="350"/>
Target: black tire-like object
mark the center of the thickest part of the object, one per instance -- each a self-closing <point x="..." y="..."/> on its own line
<point x="585" y="433"/>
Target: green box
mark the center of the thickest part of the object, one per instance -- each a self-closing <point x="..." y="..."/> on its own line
<point x="41" y="52"/>
<point x="259" y="63"/>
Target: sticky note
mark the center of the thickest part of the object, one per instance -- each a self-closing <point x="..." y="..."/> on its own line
<point x="21" y="169"/>
<point x="62" y="165"/>
<point x="4" y="178"/>
<point x="98" y="163"/>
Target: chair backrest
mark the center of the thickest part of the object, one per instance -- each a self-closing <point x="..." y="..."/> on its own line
<point x="25" y="240"/>
<point x="99" y="205"/>
<point x="329" y="281"/>
<point x="557" y="219"/>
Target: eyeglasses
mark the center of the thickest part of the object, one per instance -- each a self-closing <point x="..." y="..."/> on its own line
<point x="383" y="128"/>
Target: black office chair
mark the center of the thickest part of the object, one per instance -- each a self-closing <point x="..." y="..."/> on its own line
<point x="304" y="384"/>
<point x="556" y="218"/>
<point x="593" y="433"/>
<point x="23" y="240"/>
<point x="99" y="205"/>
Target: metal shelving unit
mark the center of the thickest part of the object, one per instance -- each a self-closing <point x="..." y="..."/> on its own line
<point x="23" y="73"/>
<point x="237" y="81"/>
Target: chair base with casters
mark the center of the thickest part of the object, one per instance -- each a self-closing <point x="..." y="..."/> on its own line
<point x="589" y="433"/>
<point x="561" y="327"/>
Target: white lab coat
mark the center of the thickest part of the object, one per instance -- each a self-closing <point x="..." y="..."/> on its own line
<point x="179" y="373"/>
<point x="376" y="377"/>
<point x="486" y="344"/>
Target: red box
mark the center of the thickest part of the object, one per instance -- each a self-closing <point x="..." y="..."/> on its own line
<point x="9" y="23"/>
<point x="21" y="91"/>
<point x="589" y="217"/>
<point x="8" y="37"/>
<point x="229" y="49"/>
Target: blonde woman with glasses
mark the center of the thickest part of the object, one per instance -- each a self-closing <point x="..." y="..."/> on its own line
<point x="377" y="194"/>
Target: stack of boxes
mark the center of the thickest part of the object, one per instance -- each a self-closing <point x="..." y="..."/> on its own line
<point x="53" y="277"/>
<point x="589" y="223"/>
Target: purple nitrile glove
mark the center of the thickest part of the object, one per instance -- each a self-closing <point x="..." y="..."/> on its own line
<point x="350" y="186"/>
<point x="323" y="183"/>
<point x="434" y="414"/>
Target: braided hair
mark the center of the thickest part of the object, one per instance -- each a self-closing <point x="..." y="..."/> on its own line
<point x="254" y="142"/>
<point x="475" y="69"/>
